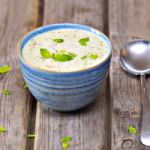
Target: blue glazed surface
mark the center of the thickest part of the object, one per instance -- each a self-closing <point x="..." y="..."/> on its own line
<point x="66" y="91"/>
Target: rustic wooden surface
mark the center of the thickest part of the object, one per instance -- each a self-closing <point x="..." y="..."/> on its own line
<point x="103" y="124"/>
<point x="17" y="17"/>
<point x="127" y="20"/>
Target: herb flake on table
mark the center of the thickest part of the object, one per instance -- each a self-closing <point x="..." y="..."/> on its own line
<point x="58" y="40"/>
<point x="66" y="139"/>
<point x="2" y="129"/>
<point x="6" y="92"/>
<point x="132" y="130"/>
<point x="65" y="146"/>
<point x="65" y="142"/>
<point x="5" y="68"/>
<point x="84" y="41"/>
<point x="31" y="136"/>
<point x="24" y="85"/>
<point x="45" y="53"/>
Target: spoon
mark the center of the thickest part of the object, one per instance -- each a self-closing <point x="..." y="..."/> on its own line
<point x="135" y="59"/>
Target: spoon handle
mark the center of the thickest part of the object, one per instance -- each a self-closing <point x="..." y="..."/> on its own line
<point x="145" y="129"/>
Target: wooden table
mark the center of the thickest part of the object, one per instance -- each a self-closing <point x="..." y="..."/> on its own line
<point x="103" y="124"/>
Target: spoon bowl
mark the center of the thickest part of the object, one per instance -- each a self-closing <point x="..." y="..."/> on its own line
<point x="135" y="57"/>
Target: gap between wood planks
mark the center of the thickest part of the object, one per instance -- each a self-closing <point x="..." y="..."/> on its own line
<point x="33" y="106"/>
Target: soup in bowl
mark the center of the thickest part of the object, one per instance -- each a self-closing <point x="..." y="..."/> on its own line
<point x="64" y="65"/>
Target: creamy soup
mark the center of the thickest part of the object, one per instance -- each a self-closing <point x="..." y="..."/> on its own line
<point x="65" y="50"/>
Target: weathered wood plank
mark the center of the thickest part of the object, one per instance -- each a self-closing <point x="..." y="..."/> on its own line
<point x="88" y="127"/>
<point x="93" y="13"/>
<point x="128" y="19"/>
<point x="17" y="17"/>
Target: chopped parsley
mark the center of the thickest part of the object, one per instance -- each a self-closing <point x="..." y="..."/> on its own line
<point x="65" y="142"/>
<point x="31" y="136"/>
<point x="62" y="57"/>
<point x="65" y="146"/>
<point x="84" y="57"/>
<point x="72" y="54"/>
<point x="24" y="85"/>
<point x="132" y="129"/>
<point x="90" y="56"/>
<point x="6" y="92"/>
<point x="58" y="40"/>
<point x="4" y="69"/>
<point x="66" y="139"/>
<point x="62" y="51"/>
<point x="45" y="53"/>
<point x="2" y="129"/>
<point x="84" y="41"/>
<point x="93" y="56"/>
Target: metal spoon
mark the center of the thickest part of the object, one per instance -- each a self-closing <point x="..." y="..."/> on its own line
<point x="135" y="59"/>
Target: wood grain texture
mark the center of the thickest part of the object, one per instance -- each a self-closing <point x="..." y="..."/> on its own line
<point x="17" y="17"/>
<point x="93" y="12"/>
<point x="89" y="126"/>
<point x="128" y="19"/>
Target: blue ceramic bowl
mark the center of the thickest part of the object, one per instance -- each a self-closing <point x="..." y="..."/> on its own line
<point x="66" y="91"/>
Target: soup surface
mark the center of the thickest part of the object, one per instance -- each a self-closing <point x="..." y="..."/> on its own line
<point x="65" y="50"/>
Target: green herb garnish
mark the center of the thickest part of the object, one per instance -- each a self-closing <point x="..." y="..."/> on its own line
<point x="62" y="57"/>
<point x="66" y="139"/>
<point x="93" y="56"/>
<point x="5" y="68"/>
<point x="65" y="142"/>
<point x="31" y="136"/>
<point x="45" y="53"/>
<point x="132" y="129"/>
<point x="84" y="41"/>
<point x="24" y="85"/>
<point x="6" y="92"/>
<point x="65" y="146"/>
<point x="62" y="51"/>
<point x="84" y="57"/>
<point x="2" y="129"/>
<point x="58" y="40"/>
<point x="72" y="54"/>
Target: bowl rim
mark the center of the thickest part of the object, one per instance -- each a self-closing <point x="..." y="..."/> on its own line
<point x="92" y="30"/>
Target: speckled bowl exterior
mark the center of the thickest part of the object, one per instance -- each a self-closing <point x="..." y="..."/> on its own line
<point x="66" y="91"/>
